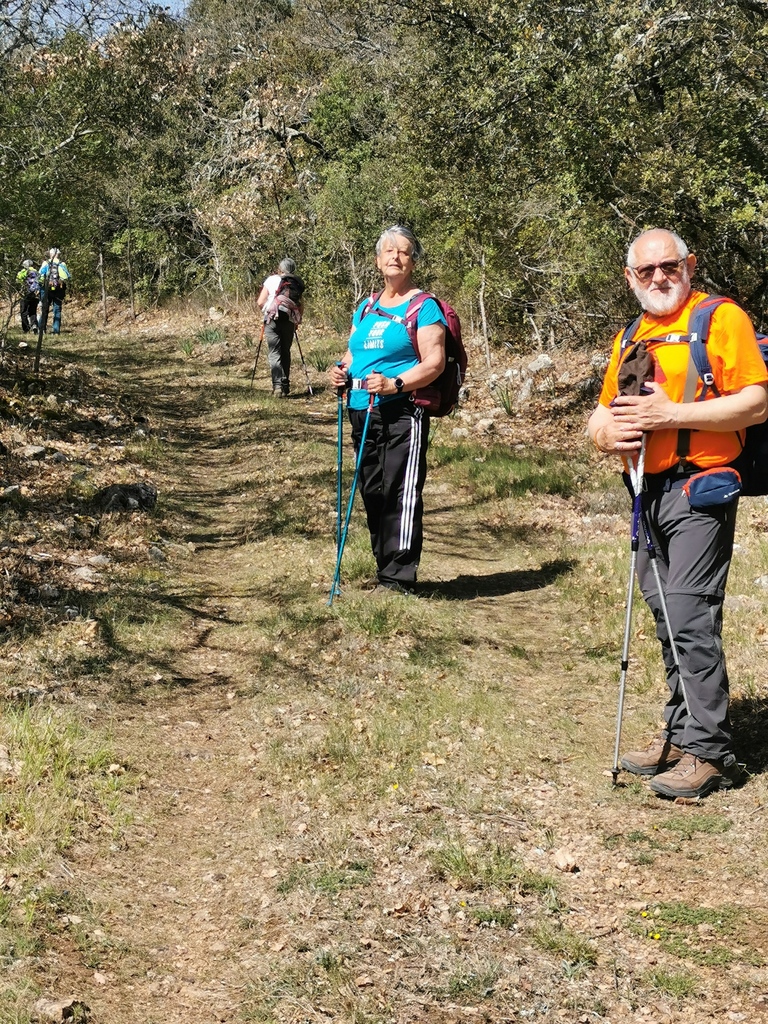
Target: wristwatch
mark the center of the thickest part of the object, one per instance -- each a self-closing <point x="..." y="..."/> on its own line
<point x="399" y="384"/>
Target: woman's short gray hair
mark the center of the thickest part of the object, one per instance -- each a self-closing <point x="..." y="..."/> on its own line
<point x="397" y="229"/>
<point x="287" y="266"/>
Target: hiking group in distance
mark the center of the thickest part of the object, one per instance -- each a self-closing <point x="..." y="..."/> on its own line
<point x="44" y="287"/>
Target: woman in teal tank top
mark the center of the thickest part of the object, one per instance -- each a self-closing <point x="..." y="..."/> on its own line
<point x="381" y="361"/>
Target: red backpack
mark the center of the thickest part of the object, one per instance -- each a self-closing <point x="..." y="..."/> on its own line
<point x="441" y="396"/>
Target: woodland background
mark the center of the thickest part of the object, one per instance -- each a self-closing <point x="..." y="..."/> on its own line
<point x="184" y="152"/>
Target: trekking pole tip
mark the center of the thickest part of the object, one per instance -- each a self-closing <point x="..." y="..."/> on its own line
<point x="615" y="774"/>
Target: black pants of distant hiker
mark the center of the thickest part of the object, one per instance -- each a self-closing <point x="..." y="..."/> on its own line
<point x="279" y="334"/>
<point x="392" y="474"/>
<point x="694" y="554"/>
<point x="29" y="313"/>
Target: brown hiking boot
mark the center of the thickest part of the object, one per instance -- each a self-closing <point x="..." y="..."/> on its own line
<point x="693" y="776"/>
<point x="659" y="755"/>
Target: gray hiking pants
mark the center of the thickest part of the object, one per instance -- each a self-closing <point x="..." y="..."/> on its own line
<point x="693" y="556"/>
<point x="279" y="334"/>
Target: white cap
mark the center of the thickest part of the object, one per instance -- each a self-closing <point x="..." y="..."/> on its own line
<point x="27" y="264"/>
<point x="53" y="254"/>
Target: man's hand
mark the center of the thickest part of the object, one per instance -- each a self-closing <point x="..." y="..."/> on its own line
<point x="612" y="437"/>
<point x="640" y="413"/>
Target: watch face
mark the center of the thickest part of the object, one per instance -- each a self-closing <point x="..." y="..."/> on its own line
<point x="399" y="382"/>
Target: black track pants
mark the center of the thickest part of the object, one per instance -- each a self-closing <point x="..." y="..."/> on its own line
<point x="279" y="334"/>
<point x="694" y="554"/>
<point x="392" y="474"/>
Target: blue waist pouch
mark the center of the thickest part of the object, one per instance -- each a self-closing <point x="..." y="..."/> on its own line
<point x="711" y="487"/>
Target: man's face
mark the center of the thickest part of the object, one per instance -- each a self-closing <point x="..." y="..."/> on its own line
<point x="660" y="280"/>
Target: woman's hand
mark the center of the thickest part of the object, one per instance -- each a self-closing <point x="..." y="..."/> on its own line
<point x="379" y="384"/>
<point x="338" y="373"/>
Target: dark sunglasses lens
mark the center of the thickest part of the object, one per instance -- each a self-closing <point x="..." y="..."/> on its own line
<point x="668" y="268"/>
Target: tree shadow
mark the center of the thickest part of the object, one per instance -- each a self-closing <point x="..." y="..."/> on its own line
<point x="750" y="727"/>
<point x="496" y="584"/>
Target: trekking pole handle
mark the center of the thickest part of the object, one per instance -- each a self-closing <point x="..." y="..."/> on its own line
<point x="341" y="388"/>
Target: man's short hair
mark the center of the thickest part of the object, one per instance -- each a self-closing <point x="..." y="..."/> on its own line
<point x="682" y="248"/>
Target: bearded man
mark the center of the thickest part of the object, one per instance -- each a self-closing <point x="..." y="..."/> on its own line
<point x="688" y="426"/>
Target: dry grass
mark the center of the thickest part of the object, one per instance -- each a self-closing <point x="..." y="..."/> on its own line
<point x="358" y="813"/>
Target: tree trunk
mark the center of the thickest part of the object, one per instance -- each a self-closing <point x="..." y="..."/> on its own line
<point x="130" y="264"/>
<point x="481" y="306"/>
<point x="103" y="287"/>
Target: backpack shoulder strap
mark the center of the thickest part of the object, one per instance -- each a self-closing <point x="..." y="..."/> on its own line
<point x="699" y="366"/>
<point x="373" y="298"/>
<point x="629" y="332"/>
<point x="698" y="334"/>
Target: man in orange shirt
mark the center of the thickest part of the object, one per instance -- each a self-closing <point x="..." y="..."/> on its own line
<point x="693" y="755"/>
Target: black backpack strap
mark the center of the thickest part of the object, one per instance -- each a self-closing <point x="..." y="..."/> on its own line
<point x="629" y="332"/>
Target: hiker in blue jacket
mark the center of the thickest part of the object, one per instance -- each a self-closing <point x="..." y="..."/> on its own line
<point x="54" y="276"/>
<point x="29" y="283"/>
<point x="381" y="364"/>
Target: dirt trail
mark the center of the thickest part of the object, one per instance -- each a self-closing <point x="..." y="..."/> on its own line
<point x="271" y="869"/>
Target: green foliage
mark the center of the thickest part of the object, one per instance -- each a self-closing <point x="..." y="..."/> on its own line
<point x="499" y="472"/>
<point x="678" y="984"/>
<point x="572" y="949"/>
<point x="523" y="145"/>
<point x="491" y="868"/>
<point x="209" y="335"/>
<point x="709" y="936"/>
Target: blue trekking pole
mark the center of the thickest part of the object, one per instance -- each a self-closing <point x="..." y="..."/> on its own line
<point x="339" y="454"/>
<point x="343" y="538"/>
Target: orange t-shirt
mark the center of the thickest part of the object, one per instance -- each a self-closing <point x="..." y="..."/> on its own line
<point x="736" y="362"/>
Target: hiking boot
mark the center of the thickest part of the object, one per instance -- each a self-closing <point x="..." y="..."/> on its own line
<point x="391" y="587"/>
<point x="692" y="776"/>
<point x="659" y="755"/>
<point x="279" y="393"/>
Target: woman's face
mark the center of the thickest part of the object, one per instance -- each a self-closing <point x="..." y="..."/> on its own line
<point x="395" y="261"/>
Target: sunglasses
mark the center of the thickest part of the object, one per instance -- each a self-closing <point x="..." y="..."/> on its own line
<point x="668" y="268"/>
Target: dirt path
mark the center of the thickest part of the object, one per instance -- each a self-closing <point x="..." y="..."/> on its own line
<point x="370" y="814"/>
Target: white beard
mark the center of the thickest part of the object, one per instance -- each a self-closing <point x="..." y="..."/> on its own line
<point x="663" y="303"/>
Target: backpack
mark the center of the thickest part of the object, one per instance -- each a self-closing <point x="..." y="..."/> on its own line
<point x="441" y="396"/>
<point x="53" y="276"/>
<point x="287" y="299"/>
<point x="752" y="462"/>
<point x="32" y="282"/>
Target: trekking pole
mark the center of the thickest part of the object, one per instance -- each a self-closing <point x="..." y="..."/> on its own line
<point x="636" y="479"/>
<point x="42" y="325"/>
<point x="651" y="551"/>
<point x="301" y="354"/>
<point x="336" y="591"/>
<point x="258" y="353"/>
<point x="339" y="455"/>
<point x="343" y="538"/>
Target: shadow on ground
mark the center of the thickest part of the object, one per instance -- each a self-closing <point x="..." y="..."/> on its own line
<point x="750" y="729"/>
<point x="497" y="583"/>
